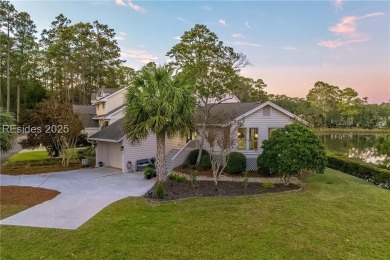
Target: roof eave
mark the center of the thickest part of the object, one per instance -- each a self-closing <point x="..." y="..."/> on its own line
<point x="105" y="140"/>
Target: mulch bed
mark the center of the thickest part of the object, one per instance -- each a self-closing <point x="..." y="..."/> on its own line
<point x="18" y="169"/>
<point x="188" y="170"/>
<point x="23" y="195"/>
<point x="179" y="190"/>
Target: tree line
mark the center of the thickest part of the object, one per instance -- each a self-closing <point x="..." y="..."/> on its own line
<point x="68" y="61"/>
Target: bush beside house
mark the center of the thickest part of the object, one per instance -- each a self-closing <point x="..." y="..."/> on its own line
<point x="236" y="163"/>
<point x="205" y="162"/>
<point x="194" y="155"/>
<point x="292" y="149"/>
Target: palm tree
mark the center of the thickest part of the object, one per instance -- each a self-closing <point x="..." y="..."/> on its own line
<point x="7" y="138"/>
<point x="160" y="103"/>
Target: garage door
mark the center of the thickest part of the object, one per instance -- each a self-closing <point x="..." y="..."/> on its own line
<point x="114" y="155"/>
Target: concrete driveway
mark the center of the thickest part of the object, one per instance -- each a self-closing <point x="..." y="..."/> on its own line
<point x="84" y="193"/>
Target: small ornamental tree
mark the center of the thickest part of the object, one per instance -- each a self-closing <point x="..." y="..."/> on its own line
<point x="292" y="149"/>
<point x="7" y="138"/>
<point x="57" y="127"/>
<point x="222" y="141"/>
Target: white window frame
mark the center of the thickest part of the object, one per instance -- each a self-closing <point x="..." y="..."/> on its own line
<point x="247" y="139"/>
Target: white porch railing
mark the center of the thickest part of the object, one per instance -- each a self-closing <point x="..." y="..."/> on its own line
<point x="182" y="155"/>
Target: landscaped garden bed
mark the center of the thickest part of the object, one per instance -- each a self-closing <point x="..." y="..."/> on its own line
<point x="174" y="190"/>
<point x="14" y="199"/>
<point x="188" y="169"/>
<point x="40" y="166"/>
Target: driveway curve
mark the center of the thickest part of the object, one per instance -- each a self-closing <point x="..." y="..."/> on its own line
<point x="84" y="193"/>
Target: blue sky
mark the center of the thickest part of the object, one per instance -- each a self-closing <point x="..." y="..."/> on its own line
<point x="290" y="44"/>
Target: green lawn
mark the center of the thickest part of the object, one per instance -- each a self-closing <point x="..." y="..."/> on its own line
<point x="34" y="155"/>
<point x="337" y="217"/>
<point x="28" y="156"/>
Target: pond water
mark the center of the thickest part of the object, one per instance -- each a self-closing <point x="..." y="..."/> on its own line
<point x="357" y="146"/>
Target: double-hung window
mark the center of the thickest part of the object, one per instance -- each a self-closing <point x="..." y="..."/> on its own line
<point x="241" y="139"/>
<point x="253" y="139"/>
<point x="248" y="139"/>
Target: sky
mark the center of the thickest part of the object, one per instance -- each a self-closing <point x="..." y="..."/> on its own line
<point x="290" y="44"/>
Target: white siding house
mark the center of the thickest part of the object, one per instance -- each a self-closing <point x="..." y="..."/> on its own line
<point x="257" y="120"/>
<point x="257" y="127"/>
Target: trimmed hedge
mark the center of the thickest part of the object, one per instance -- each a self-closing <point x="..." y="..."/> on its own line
<point x="369" y="172"/>
<point x="205" y="162"/>
<point x="236" y="163"/>
<point x="194" y="155"/>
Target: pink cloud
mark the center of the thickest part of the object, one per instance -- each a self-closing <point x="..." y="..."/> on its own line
<point x="139" y="55"/>
<point x="347" y="25"/>
<point x="347" y="28"/>
<point x="135" y="7"/>
<point x="120" y="2"/>
<point x="238" y="35"/>
<point x="338" y="43"/>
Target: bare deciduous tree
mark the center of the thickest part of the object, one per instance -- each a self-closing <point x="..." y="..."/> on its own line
<point x="222" y="140"/>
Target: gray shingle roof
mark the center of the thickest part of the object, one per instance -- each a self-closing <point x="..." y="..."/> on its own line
<point x="219" y="114"/>
<point x="86" y="115"/>
<point x="108" y="91"/>
<point x="113" y="132"/>
<point x="110" y="113"/>
<point x="225" y="112"/>
<point x="85" y="109"/>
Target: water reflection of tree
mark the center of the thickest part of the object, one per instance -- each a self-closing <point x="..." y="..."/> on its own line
<point x="382" y="146"/>
<point x="354" y="146"/>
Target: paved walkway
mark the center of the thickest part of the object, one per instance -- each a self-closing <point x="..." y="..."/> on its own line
<point x="83" y="194"/>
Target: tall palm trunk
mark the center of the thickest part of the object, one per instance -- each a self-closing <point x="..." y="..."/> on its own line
<point x="160" y="162"/>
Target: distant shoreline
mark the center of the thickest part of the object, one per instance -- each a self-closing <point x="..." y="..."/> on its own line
<point x="352" y="130"/>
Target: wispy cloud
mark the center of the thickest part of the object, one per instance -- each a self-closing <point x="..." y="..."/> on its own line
<point x="247" y="25"/>
<point x="371" y="15"/>
<point x="139" y="55"/>
<point x="177" y="38"/>
<point x="251" y="44"/>
<point x="207" y="8"/>
<point x="136" y="7"/>
<point x="347" y="29"/>
<point x="289" y="48"/>
<point x="222" y="21"/>
<point x="338" y="43"/>
<point x="184" y="20"/>
<point x="338" y="5"/>
<point x="120" y="2"/>
<point x="346" y="26"/>
<point x="238" y="35"/>
<point x="120" y="36"/>
<point x="130" y="4"/>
